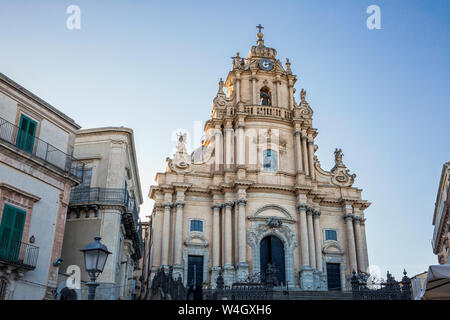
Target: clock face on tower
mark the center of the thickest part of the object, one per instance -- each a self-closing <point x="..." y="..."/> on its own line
<point x="265" y="64"/>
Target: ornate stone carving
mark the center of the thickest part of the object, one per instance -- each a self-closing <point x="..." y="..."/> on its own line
<point x="241" y="202"/>
<point x="274" y="222"/>
<point x="200" y="237"/>
<point x="341" y="175"/>
<point x="181" y="160"/>
<point x="228" y="204"/>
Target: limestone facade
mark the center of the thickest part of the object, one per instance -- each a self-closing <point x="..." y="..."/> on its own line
<point x="107" y="204"/>
<point x="37" y="171"/>
<point x="255" y="176"/>
<point x="441" y="217"/>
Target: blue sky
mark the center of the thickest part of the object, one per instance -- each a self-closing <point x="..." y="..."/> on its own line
<point x="380" y="95"/>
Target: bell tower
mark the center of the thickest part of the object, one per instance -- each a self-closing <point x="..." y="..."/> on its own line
<point x="261" y="79"/>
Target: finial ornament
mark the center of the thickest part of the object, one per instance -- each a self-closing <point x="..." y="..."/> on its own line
<point x="220" y="85"/>
<point x="260" y="35"/>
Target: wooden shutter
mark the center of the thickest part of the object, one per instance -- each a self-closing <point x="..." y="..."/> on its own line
<point x="25" y="136"/>
<point x="11" y="229"/>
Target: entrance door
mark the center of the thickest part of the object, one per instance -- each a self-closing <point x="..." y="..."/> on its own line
<point x="334" y="276"/>
<point x="272" y="251"/>
<point x="195" y="270"/>
<point x="11" y="228"/>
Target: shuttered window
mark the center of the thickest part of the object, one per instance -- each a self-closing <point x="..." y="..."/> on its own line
<point x="11" y="229"/>
<point x="25" y="136"/>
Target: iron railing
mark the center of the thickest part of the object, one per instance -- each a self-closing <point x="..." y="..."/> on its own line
<point x="108" y="196"/>
<point x="390" y="289"/>
<point x="12" y="135"/>
<point x="19" y="254"/>
<point x="84" y="195"/>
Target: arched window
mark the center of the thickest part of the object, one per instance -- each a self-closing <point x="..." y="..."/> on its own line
<point x="265" y="97"/>
<point x="270" y="160"/>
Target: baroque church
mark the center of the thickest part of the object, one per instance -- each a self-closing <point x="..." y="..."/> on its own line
<point x="254" y="195"/>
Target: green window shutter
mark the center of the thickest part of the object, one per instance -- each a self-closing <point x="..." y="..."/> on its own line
<point x="25" y="136"/>
<point x="11" y="229"/>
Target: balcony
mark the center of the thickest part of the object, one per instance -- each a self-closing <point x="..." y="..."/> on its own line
<point x="19" y="254"/>
<point x="86" y="196"/>
<point x="40" y="149"/>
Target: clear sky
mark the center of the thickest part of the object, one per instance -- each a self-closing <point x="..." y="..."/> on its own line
<point x="380" y="95"/>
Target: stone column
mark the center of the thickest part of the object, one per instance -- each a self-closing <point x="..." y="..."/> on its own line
<point x="216" y="234"/>
<point x="351" y="243"/>
<point x="178" y="267"/>
<point x="306" y="277"/>
<point x="278" y="85"/>
<point x="363" y="233"/>
<point x="312" y="246"/>
<point x="228" y="151"/>
<point x="215" y="242"/>
<point x="238" y="87"/>
<point x="228" y="244"/>
<point x="305" y="154"/>
<point x="359" y="244"/>
<point x="165" y="234"/>
<point x="311" y="158"/>
<point x="298" y="151"/>
<point x="303" y="231"/>
<point x="318" y="240"/>
<point x="157" y="237"/>
<point x="242" y="244"/>
<point x="218" y="160"/>
<point x="240" y="145"/>
<point x="254" y="95"/>
<point x="291" y="95"/>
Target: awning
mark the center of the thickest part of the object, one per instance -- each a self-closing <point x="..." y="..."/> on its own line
<point x="437" y="283"/>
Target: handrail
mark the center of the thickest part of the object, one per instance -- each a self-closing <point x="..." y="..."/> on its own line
<point x="19" y="254"/>
<point x="40" y="149"/>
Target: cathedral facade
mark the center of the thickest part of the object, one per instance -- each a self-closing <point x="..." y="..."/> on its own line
<point x="254" y="195"/>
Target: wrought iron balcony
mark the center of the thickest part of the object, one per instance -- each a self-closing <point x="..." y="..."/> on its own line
<point x="13" y="136"/>
<point x="107" y="196"/>
<point x="19" y="254"/>
<point x="82" y="196"/>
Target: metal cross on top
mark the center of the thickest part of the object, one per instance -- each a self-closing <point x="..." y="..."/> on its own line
<point x="260" y="27"/>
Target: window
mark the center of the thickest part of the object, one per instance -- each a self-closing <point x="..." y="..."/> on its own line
<point x="11" y="229"/>
<point x="25" y="136"/>
<point x="270" y="160"/>
<point x="197" y="225"/>
<point x="331" y="235"/>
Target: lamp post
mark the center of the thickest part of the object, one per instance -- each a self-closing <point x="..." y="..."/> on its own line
<point x="95" y="256"/>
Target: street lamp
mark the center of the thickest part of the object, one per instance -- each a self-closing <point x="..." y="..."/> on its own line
<point x="95" y="256"/>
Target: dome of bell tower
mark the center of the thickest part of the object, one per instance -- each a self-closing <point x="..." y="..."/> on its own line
<point x="260" y="50"/>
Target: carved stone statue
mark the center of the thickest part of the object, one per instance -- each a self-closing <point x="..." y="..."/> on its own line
<point x="181" y="157"/>
<point x="338" y="157"/>
<point x="265" y="98"/>
<point x="303" y="96"/>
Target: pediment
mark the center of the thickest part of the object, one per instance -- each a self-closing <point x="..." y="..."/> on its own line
<point x="196" y="239"/>
<point x="332" y="248"/>
<point x="272" y="210"/>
